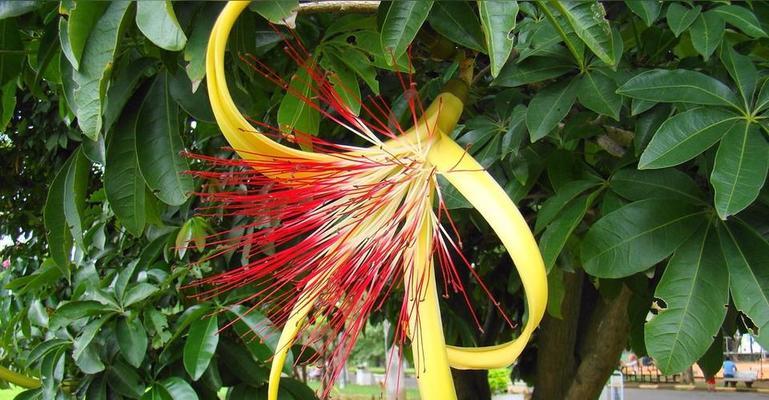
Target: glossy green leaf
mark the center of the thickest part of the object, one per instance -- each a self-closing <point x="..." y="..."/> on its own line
<point x="179" y="389"/>
<point x="535" y="69"/>
<point x="587" y="19"/>
<point x="668" y="183"/>
<point x="548" y="107"/>
<point x="72" y="311"/>
<point x="679" y="86"/>
<point x="742" y="19"/>
<point x="159" y="144"/>
<point x="686" y="135"/>
<point x="64" y="209"/>
<point x="560" y="200"/>
<point x="157" y="21"/>
<point x="747" y="253"/>
<point x="637" y="236"/>
<point x="647" y="124"/>
<point x="123" y="182"/>
<point x="195" y="50"/>
<point x="742" y="71"/>
<point x="139" y="292"/>
<point x="201" y="345"/>
<point x="357" y="62"/>
<point x="9" y="9"/>
<point x="241" y="364"/>
<point x="564" y="30"/>
<point x="695" y="289"/>
<point x="680" y="17"/>
<point x="648" y="10"/>
<point x="83" y="17"/>
<point x="7" y="104"/>
<point x="740" y="169"/>
<point x="638" y="106"/>
<point x="124" y="380"/>
<point x="91" y="78"/>
<point x="710" y="362"/>
<point x="195" y="103"/>
<point x="457" y="21"/>
<point x="294" y="114"/>
<point x="87" y="334"/>
<point x="259" y="334"/>
<point x="122" y="89"/>
<point x="597" y="92"/>
<point x="12" y="56"/>
<point x="157" y="392"/>
<point x="401" y="23"/>
<point x="132" y="340"/>
<point x="559" y="230"/>
<point x="277" y="11"/>
<point x="345" y="83"/>
<point x="498" y="21"/>
<point x="706" y="33"/>
<point x="762" y="101"/>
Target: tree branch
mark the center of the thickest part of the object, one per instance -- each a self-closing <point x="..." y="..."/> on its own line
<point x="338" y="6"/>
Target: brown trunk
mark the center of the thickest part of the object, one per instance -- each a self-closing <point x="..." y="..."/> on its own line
<point x="471" y="384"/>
<point x="577" y="354"/>
<point x="556" y="342"/>
<point x="603" y="342"/>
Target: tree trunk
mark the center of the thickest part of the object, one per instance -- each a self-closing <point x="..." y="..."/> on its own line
<point x="577" y="354"/>
<point x="471" y="384"/>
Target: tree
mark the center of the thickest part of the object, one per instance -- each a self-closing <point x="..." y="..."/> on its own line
<point x="632" y="135"/>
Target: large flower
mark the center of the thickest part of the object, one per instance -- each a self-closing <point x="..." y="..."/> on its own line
<point x="335" y="230"/>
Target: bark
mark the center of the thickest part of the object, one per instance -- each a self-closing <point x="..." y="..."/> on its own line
<point x="557" y="338"/>
<point x="471" y="384"/>
<point x="577" y="354"/>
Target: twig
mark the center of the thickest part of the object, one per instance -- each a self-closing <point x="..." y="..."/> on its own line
<point x="333" y="6"/>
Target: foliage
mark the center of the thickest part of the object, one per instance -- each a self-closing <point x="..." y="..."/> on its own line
<point x="499" y="379"/>
<point x="632" y="135"/>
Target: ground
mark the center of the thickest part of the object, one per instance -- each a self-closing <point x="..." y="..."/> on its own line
<point x="647" y="394"/>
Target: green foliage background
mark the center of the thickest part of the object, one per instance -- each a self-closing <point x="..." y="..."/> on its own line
<point x="632" y="135"/>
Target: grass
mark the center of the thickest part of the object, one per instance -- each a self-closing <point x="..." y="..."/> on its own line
<point x="358" y="392"/>
<point x="9" y="394"/>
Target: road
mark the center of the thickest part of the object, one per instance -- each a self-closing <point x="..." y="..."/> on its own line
<point x="648" y="394"/>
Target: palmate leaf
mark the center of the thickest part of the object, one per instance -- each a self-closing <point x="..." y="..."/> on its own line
<point x="695" y="289"/>
<point x="742" y="71"/>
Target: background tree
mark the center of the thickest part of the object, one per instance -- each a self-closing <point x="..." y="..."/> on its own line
<point x="632" y="135"/>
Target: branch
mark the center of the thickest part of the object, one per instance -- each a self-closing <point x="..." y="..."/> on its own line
<point x="338" y="6"/>
<point x="18" y="379"/>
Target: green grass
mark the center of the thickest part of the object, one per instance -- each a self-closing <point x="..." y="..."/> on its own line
<point x="358" y="392"/>
<point x="9" y="394"/>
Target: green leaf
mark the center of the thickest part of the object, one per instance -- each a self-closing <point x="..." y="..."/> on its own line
<point x="277" y="11"/>
<point x="159" y="144"/>
<point x="64" y="209"/>
<point x="742" y="71"/>
<point x="123" y="182"/>
<point x="562" y="198"/>
<point x="240" y="364"/>
<point x="294" y="114"/>
<point x="132" y="340"/>
<point x="762" y="102"/>
<point x="194" y="103"/>
<point x="201" y="345"/>
<point x="345" y="83"/>
<point x="179" y="389"/>
<point x="72" y="311"/>
<point x="710" y="363"/>
<point x="124" y="380"/>
<point x="457" y="21"/>
<point x="195" y="50"/>
<point x="259" y="334"/>
<point x="13" y="51"/>
<point x="139" y="292"/>
<point x="122" y="89"/>
<point x="401" y="23"/>
<point x="587" y="19"/>
<point x="666" y="183"/>
<point x="679" y="86"/>
<point x="706" y="33"/>
<point x="647" y="124"/>
<point x="648" y="10"/>
<point x="297" y="389"/>
<point x="9" y="9"/>
<point x="695" y="288"/>
<point x="87" y="335"/>
<point x="747" y="253"/>
<point x="157" y="21"/>
<point x="742" y="19"/>
<point x="356" y="61"/>
<point x="548" y="107"/>
<point x="7" y="104"/>
<point x="597" y="92"/>
<point x="740" y="169"/>
<point x="157" y="392"/>
<point x="91" y="79"/>
<point x="535" y="69"/>
<point x="686" y="135"/>
<point x="562" y="27"/>
<point x="637" y="236"/>
<point x="498" y="21"/>
<point x="83" y="18"/>
<point x="680" y="17"/>
<point x="558" y="232"/>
